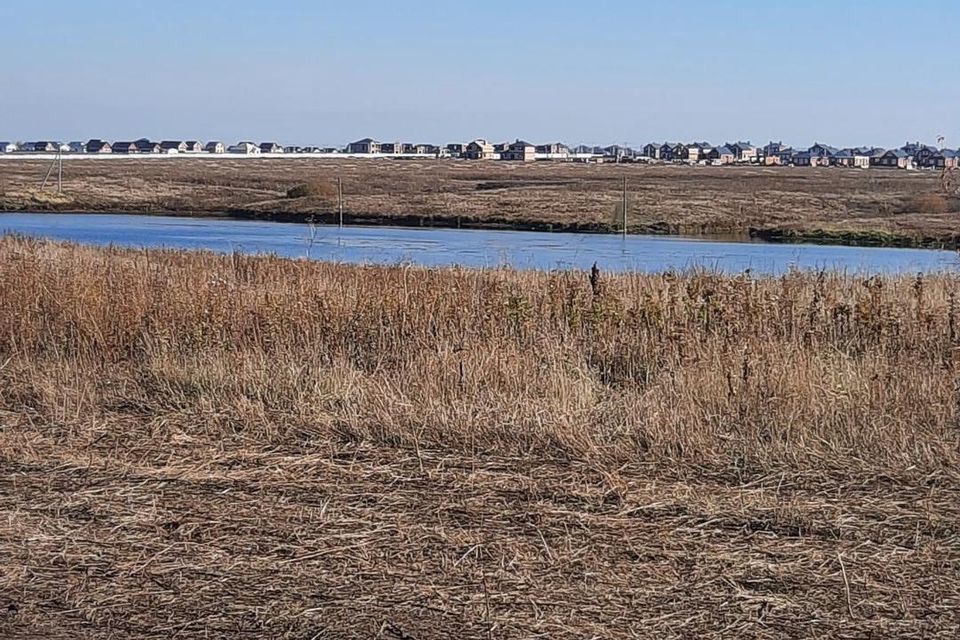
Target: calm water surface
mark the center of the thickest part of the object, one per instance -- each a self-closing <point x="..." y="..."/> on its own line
<point x="473" y="248"/>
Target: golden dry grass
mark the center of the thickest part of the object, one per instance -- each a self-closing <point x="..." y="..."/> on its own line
<point x="198" y="445"/>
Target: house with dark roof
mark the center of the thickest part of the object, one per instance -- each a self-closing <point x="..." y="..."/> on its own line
<point x="665" y="151"/>
<point x="943" y="159"/>
<point x="214" y="147"/>
<point x="743" y="151"/>
<point x="923" y="155"/>
<point x="44" y="146"/>
<point x="124" y="147"/>
<point x="98" y="146"/>
<point x="145" y="146"/>
<point x="8" y="147"/>
<point x="173" y="146"/>
<point x="366" y="145"/>
<point x="194" y="146"/>
<point x="553" y="151"/>
<point x="649" y="150"/>
<point x="719" y="155"/>
<point x="270" y="147"/>
<point x="891" y="159"/>
<point x="244" y="147"/>
<point x="521" y="151"/>
<point x="455" y="149"/>
<point x="479" y="149"/>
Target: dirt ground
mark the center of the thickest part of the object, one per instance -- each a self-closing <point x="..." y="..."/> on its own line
<point x="867" y="206"/>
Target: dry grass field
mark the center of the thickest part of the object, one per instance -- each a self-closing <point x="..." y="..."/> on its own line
<point x="830" y="204"/>
<point x="205" y="446"/>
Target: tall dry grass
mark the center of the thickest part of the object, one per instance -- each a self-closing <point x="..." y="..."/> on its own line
<point x="686" y="370"/>
<point x="198" y="445"/>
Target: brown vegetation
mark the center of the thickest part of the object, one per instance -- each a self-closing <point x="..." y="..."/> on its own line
<point x="197" y="445"/>
<point x="859" y="205"/>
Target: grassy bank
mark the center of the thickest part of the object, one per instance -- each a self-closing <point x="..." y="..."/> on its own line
<point x="229" y="446"/>
<point x="897" y="208"/>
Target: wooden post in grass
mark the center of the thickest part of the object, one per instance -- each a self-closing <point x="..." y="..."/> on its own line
<point x="624" y="206"/>
<point x="340" y="201"/>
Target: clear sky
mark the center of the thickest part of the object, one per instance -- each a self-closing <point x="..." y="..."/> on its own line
<point x="604" y="71"/>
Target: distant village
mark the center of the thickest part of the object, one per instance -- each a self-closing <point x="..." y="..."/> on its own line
<point x="912" y="155"/>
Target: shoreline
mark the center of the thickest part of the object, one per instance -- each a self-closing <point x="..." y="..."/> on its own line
<point x="815" y="236"/>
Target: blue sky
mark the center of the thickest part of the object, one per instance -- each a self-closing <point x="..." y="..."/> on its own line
<point x="318" y="72"/>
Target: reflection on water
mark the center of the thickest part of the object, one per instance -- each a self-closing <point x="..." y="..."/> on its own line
<point x="473" y="248"/>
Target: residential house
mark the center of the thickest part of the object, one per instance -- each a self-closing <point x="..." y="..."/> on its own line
<point x="194" y="146"/>
<point x="583" y="150"/>
<point x="501" y="148"/>
<point x="772" y="148"/>
<point x="553" y="151"/>
<point x="145" y="146"/>
<point x="214" y="147"/>
<point x="842" y="158"/>
<point x="99" y="146"/>
<point x="649" y="150"/>
<point x="392" y="148"/>
<point x="456" y="149"/>
<point x="665" y="152"/>
<point x="923" y="155"/>
<point x="943" y="159"/>
<point x="425" y="149"/>
<point x="861" y="157"/>
<point x="521" y="151"/>
<point x="720" y="155"/>
<point x="45" y="146"/>
<point x="8" y="147"/>
<point x="891" y="159"/>
<point x="480" y="149"/>
<point x="173" y="146"/>
<point x="123" y="147"/>
<point x="245" y="148"/>
<point x="693" y="152"/>
<point x="366" y="145"/>
<point x="811" y="159"/>
<point x="270" y="147"/>
<point x="76" y="147"/>
<point x="823" y="150"/>
<point x="743" y="151"/>
<point x="293" y="149"/>
<point x="618" y="152"/>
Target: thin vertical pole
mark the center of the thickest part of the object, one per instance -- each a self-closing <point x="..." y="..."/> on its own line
<point x="624" y="206"/>
<point x="340" y="200"/>
<point x="60" y="171"/>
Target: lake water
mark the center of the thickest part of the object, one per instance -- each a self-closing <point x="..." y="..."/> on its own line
<point x="473" y="248"/>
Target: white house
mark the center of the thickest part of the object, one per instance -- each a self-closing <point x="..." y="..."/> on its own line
<point x="214" y="147"/>
<point x="77" y="147"/>
<point x="8" y="147"/>
<point x="246" y="148"/>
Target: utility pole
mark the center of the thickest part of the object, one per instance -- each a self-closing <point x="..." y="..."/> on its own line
<point x="340" y="201"/>
<point x="624" y="204"/>
<point x="60" y="171"/>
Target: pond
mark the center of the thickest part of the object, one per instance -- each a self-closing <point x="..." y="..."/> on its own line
<point x="471" y="248"/>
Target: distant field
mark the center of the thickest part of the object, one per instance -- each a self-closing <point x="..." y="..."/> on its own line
<point x="205" y="446"/>
<point x="833" y="204"/>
